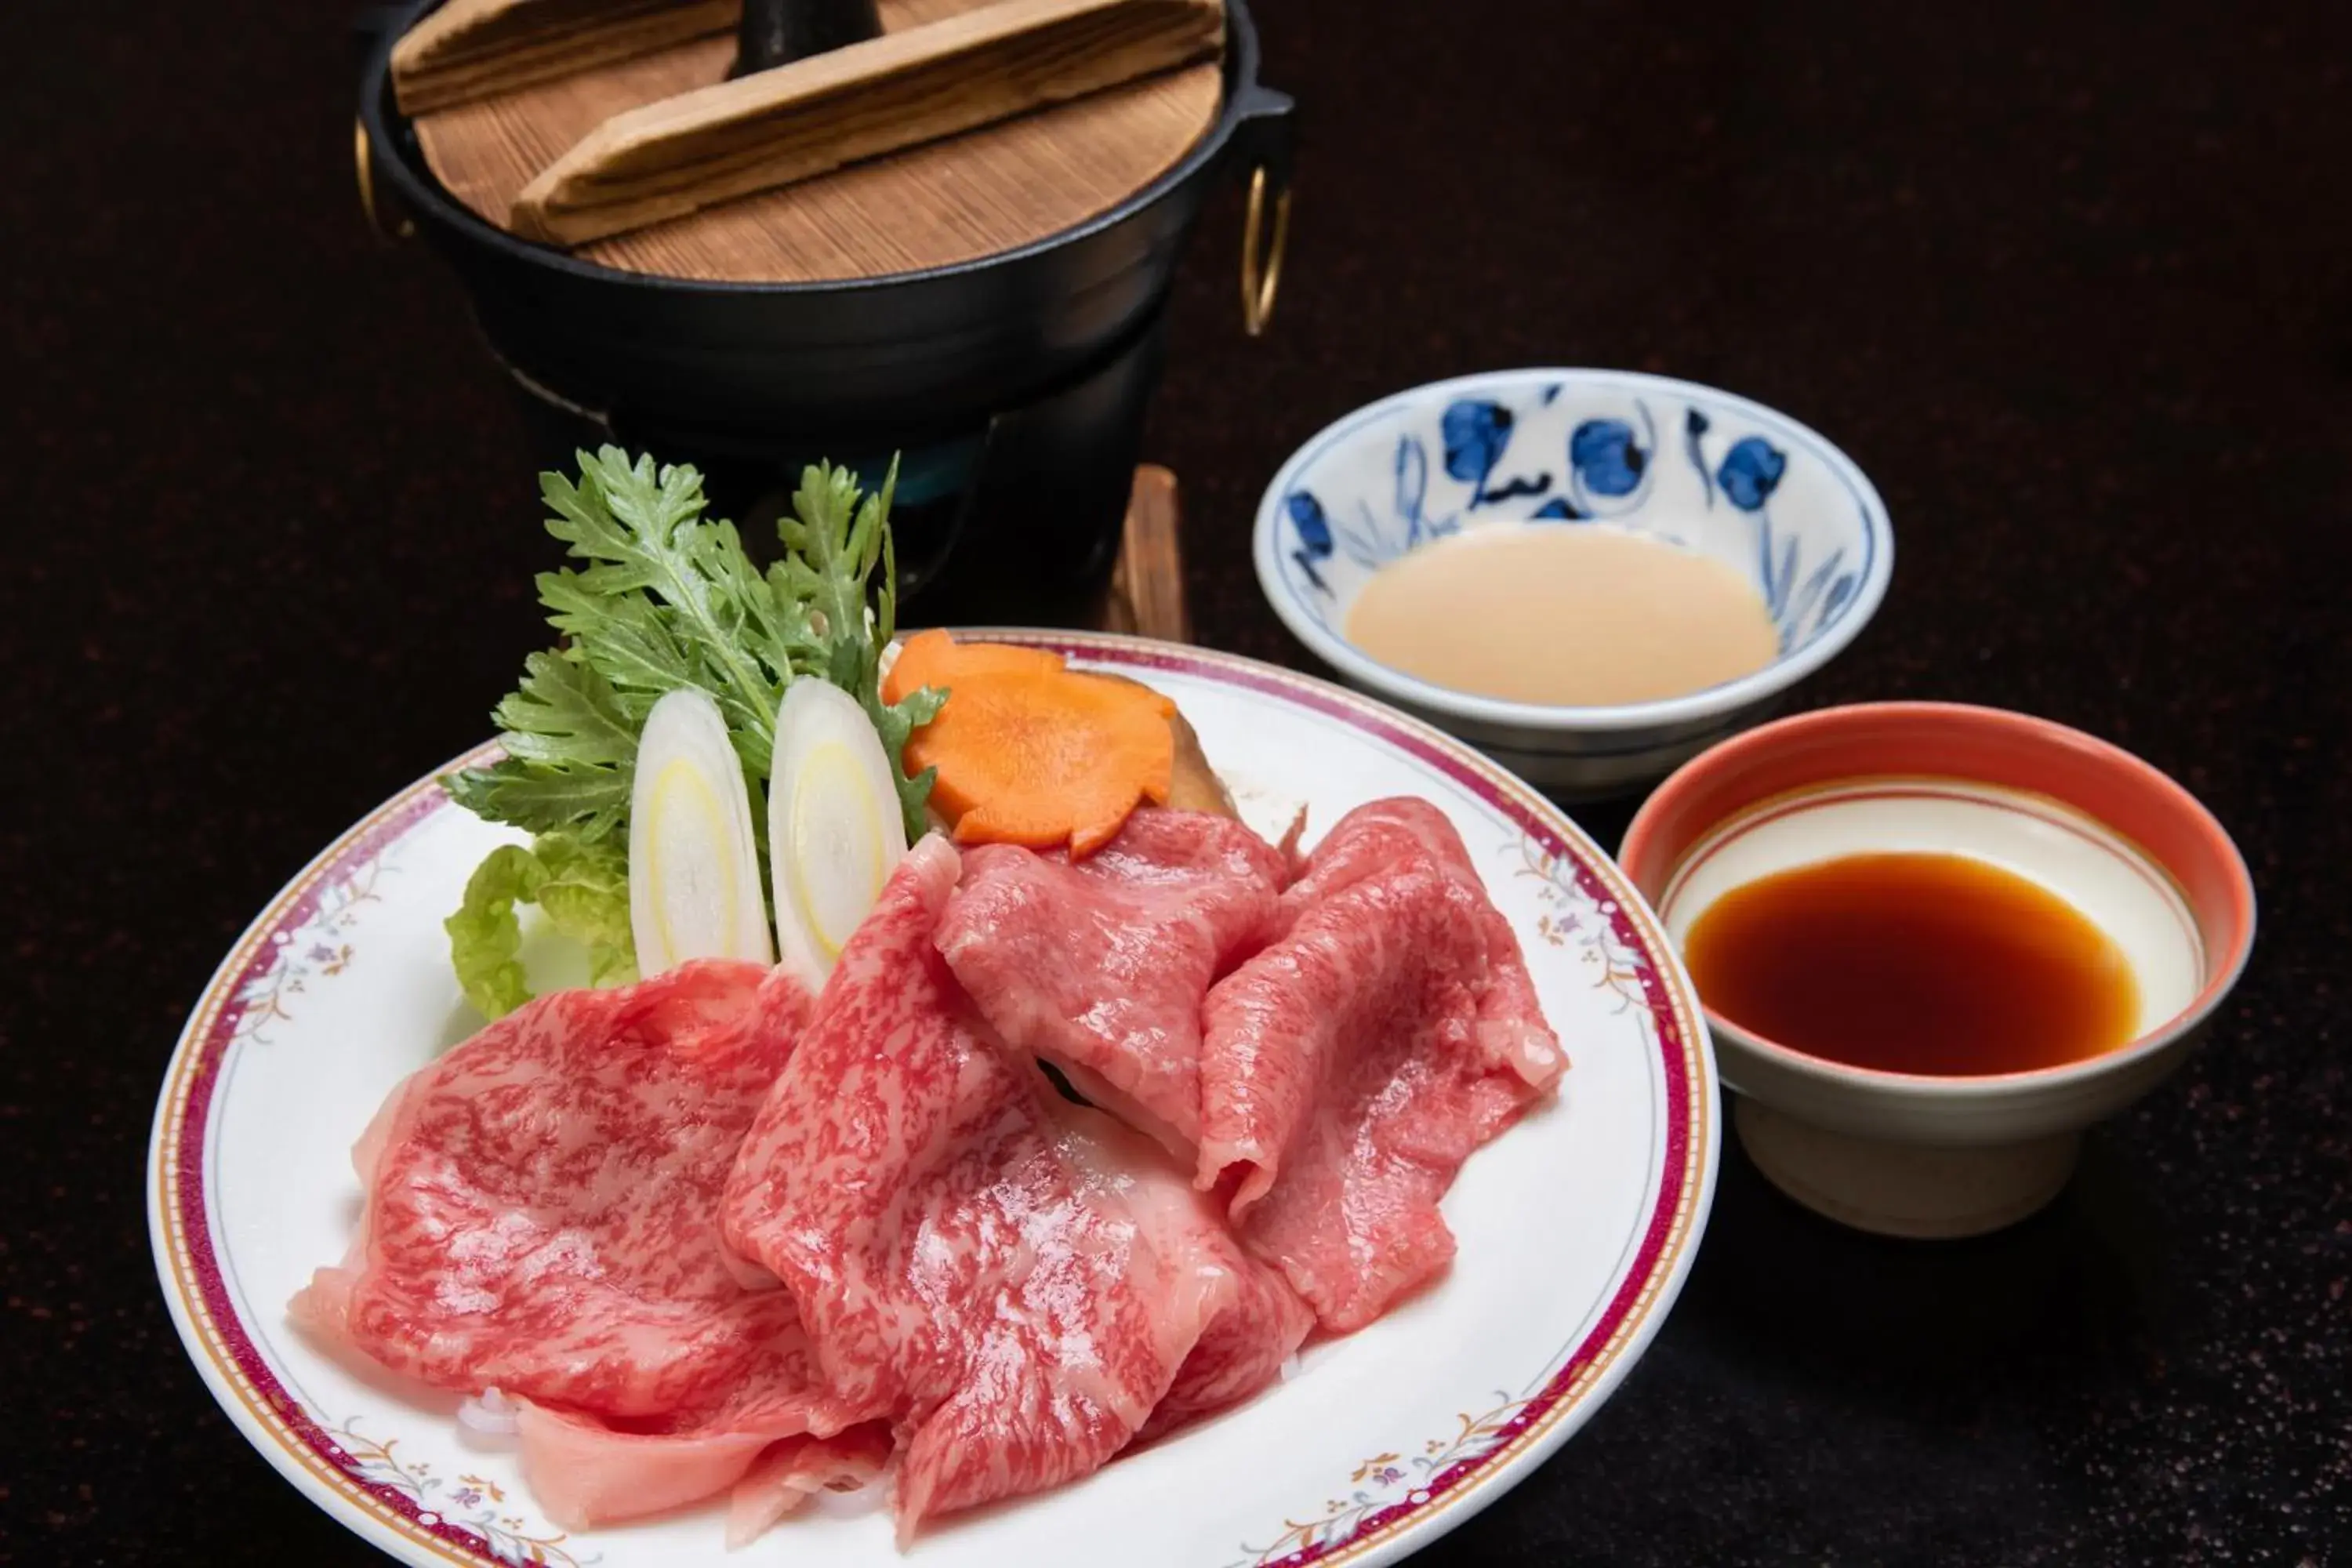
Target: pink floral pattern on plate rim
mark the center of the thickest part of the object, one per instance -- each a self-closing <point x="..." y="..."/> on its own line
<point x="293" y="1438"/>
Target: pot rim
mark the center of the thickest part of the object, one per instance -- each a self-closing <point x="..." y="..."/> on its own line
<point x="392" y="137"/>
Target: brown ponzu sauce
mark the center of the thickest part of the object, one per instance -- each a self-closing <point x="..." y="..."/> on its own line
<point x="1914" y="963"/>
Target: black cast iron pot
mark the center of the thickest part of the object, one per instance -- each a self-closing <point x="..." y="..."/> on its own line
<point x="1015" y="386"/>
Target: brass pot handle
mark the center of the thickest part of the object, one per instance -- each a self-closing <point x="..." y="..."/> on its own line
<point x="1261" y="256"/>
<point x="364" y="164"/>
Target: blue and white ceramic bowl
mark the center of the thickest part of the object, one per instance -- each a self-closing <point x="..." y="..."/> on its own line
<point x="1702" y="468"/>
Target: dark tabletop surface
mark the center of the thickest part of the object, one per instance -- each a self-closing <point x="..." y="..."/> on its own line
<point x="2071" y="283"/>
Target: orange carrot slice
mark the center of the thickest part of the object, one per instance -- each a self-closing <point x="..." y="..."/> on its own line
<point x="933" y="658"/>
<point x="1029" y="752"/>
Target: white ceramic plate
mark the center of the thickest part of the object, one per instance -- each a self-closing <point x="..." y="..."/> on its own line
<point x="1576" y="1227"/>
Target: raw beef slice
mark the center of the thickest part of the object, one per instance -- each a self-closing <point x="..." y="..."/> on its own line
<point x="795" y="1470"/>
<point x="1350" y="1069"/>
<point x="1013" y="1281"/>
<point x="541" y="1217"/>
<point x="1100" y="967"/>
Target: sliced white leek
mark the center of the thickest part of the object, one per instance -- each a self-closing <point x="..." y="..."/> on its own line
<point x="834" y="832"/>
<point x="694" y="869"/>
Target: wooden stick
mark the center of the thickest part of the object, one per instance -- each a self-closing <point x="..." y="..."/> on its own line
<point x="815" y="115"/>
<point x="1146" y="584"/>
<point x="472" y="50"/>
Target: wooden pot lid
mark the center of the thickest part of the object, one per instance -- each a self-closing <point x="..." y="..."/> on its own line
<point x="972" y="196"/>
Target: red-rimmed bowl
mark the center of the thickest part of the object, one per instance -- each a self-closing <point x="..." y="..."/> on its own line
<point x="1950" y="1155"/>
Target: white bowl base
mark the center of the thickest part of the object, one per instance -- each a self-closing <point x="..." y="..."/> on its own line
<point x="1904" y="1189"/>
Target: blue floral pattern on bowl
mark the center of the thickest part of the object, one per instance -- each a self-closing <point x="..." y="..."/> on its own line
<point x="1746" y="488"/>
<point x="1703" y="469"/>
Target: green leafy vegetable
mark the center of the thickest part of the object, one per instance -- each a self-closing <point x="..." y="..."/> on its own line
<point x="583" y="888"/>
<point x="668" y="598"/>
<point x="664" y="596"/>
<point x="570" y="748"/>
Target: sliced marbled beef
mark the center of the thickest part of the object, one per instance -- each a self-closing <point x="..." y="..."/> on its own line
<point x="1351" y="1067"/>
<point x="1100" y="967"/>
<point x="795" y="1470"/>
<point x="541" y="1217"/>
<point x="1014" y="1281"/>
